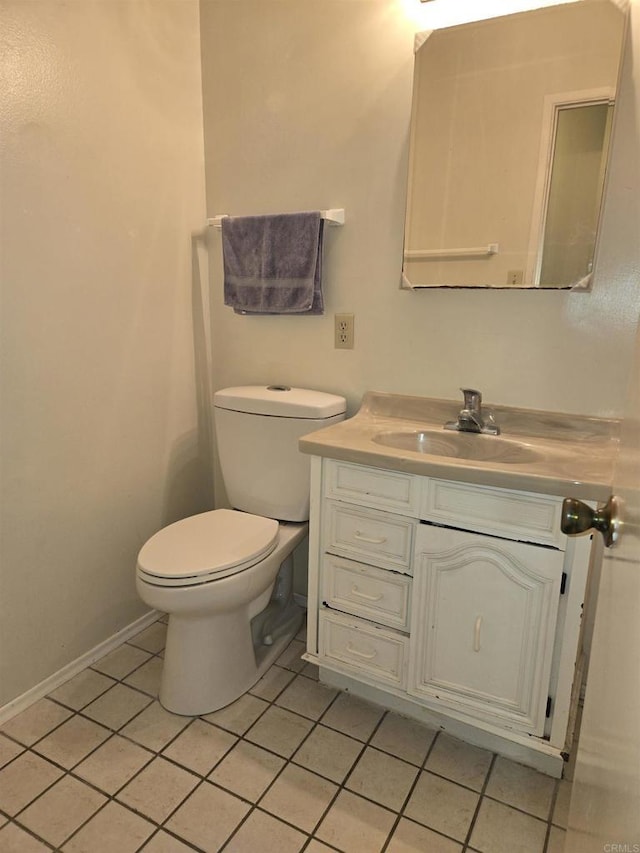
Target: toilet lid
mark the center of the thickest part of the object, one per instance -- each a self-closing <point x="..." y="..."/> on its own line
<point x="206" y="547"/>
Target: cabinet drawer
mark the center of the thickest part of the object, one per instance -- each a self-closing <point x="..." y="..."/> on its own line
<point x="369" y="536"/>
<point x="376" y="594"/>
<point x="360" y="647"/>
<point x="522" y="516"/>
<point x="372" y="487"/>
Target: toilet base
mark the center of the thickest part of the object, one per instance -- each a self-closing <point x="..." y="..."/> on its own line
<point x="211" y="682"/>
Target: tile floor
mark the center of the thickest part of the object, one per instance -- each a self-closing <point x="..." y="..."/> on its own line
<point x="99" y="766"/>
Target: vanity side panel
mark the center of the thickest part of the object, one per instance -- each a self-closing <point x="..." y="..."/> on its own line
<point x="315" y="554"/>
<point x="580" y="559"/>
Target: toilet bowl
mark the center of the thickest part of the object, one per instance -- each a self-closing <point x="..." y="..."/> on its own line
<point x="225" y="577"/>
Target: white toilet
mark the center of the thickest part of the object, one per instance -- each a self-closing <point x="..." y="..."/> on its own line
<point x="225" y="577"/>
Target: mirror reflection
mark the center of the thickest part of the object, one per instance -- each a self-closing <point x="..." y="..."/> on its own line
<point x="510" y="135"/>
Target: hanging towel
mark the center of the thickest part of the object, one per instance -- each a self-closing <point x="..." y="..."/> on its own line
<point x="273" y="264"/>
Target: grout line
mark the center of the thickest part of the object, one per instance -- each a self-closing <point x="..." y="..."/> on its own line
<point x="467" y="840"/>
<point x="421" y="770"/>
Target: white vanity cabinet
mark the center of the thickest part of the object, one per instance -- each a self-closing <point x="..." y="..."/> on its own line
<point x="458" y="604"/>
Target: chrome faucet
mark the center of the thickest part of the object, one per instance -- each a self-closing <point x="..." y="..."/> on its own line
<point x="471" y="417"/>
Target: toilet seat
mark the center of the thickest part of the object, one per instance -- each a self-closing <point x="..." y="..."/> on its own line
<point x="206" y="547"/>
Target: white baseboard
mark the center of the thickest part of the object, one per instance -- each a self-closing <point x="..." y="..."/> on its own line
<point x="21" y="703"/>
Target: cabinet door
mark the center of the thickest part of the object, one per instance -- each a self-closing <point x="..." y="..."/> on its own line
<point x="483" y="626"/>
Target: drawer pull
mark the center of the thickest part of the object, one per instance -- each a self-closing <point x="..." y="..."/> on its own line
<point x="372" y="540"/>
<point x="359" y="654"/>
<point x="355" y="591"/>
<point x="476" y="634"/>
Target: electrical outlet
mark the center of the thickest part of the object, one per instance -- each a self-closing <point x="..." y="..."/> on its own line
<point x="515" y="277"/>
<point x="344" y="331"/>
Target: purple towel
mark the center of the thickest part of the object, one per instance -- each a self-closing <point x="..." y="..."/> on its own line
<point x="273" y="264"/>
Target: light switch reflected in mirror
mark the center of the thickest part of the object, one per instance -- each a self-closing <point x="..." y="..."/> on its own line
<point x="510" y="133"/>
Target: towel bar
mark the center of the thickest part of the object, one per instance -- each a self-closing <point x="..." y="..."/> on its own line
<point x="333" y="216"/>
<point x="433" y="254"/>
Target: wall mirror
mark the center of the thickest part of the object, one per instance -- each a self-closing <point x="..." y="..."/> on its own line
<point x="510" y="130"/>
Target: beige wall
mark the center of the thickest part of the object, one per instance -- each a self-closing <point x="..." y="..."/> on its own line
<point x="307" y="106"/>
<point x="102" y="185"/>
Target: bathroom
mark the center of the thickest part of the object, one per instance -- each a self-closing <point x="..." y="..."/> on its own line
<point x="127" y="125"/>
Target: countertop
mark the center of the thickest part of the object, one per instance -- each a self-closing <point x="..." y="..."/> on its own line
<point x="573" y="455"/>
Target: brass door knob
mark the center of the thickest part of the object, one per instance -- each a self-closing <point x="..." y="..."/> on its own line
<point x="579" y="518"/>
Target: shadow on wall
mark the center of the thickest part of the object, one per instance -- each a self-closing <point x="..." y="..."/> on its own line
<point x="191" y="464"/>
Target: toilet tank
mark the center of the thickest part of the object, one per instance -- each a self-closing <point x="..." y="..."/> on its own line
<point x="257" y="431"/>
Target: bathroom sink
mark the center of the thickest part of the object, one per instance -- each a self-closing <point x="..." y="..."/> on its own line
<point x="460" y="445"/>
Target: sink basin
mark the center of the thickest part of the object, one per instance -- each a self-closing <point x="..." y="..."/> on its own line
<point x="459" y="445"/>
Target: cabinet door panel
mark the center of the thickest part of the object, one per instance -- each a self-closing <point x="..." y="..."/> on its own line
<point x="483" y="620"/>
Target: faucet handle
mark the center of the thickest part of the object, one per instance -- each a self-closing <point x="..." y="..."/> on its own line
<point x="472" y="399"/>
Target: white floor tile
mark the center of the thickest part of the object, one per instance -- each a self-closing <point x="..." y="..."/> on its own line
<point x="152" y="639"/>
<point x="442" y="805"/>
<point x="329" y="753"/>
<point x="382" y="778"/>
<point x="353" y="717"/>
<point x="353" y="824"/>
<point x="162" y="842"/>
<point x="247" y="770"/>
<point x="306" y="697"/>
<point x="23" y="780"/>
<point x="121" y="662"/>
<point x="35" y="722"/>
<point x="147" y="677"/>
<point x="280" y="731"/>
<point x="272" y="683"/>
<point x="501" y="829"/>
<point x="208" y="817"/>
<point x="13" y="839"/>
<point x="61" y="810"/>
<point x="264" y="833"/>
<point x="200" y="747"/>
<point x="82" y="689"/>
<point x="72" y="741"/>
<point x="155" y="727"/>
<point x="410" y="837"/>
<point x="299" y="797"/>
<point x="461" y="762"/>
<point x="404" y="738"/>
<point x="158" y="789"/>
<point x="117" y="706"/>
<point x="521" y="787"/>
<point x="113" y="764"/>
<point x="240" y="715"/>
<point x="8" y="750"/>
<point x="113" y="829"/>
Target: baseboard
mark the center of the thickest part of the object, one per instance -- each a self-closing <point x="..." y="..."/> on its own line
<point x="21" y="703"/>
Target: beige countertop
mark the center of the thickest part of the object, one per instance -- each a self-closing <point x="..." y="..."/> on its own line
<point x="567" y="455"/>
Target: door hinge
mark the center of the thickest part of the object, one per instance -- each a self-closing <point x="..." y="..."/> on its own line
<point x="563" y="583"/>
<point x="547" y="713"/>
